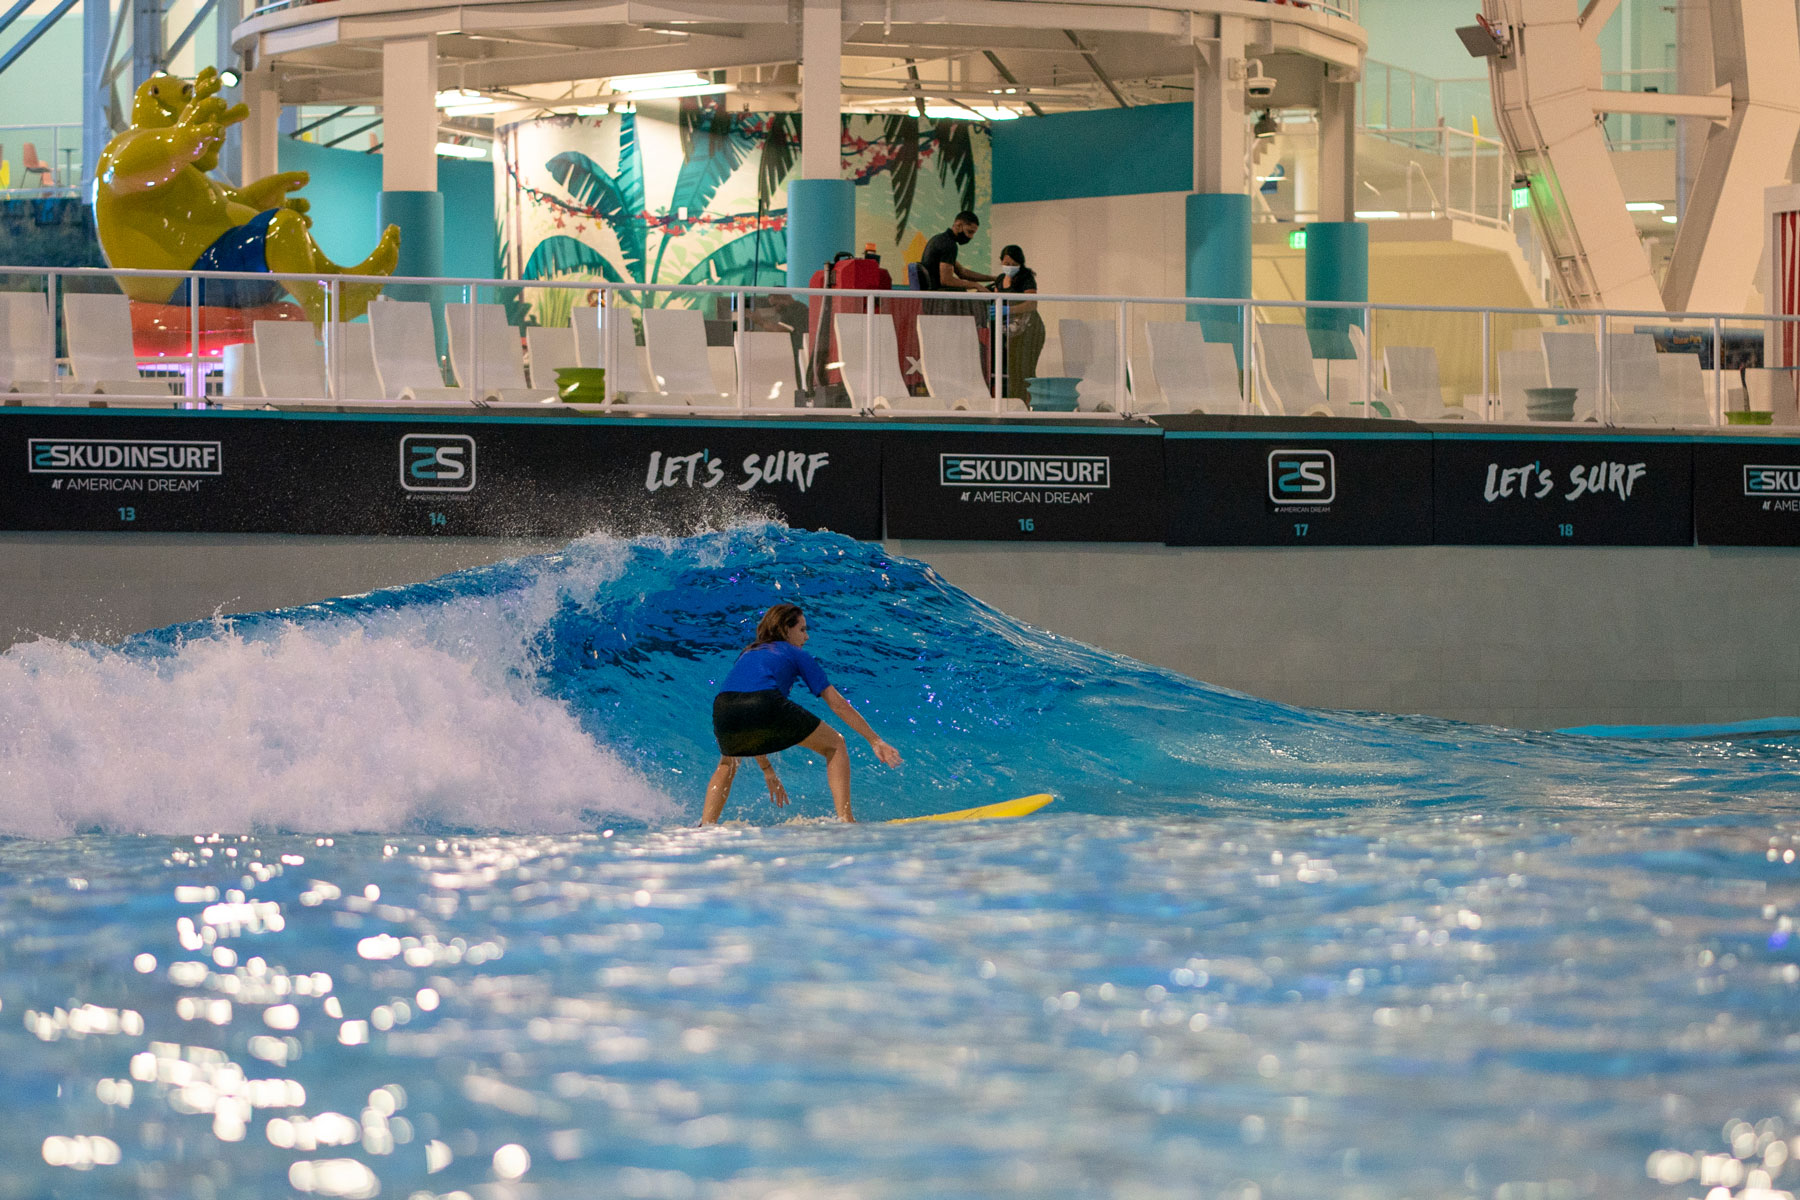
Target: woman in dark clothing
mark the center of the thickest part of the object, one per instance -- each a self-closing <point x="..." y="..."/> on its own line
<point x="1024" y="328"/>
<point x="753" y="717"/>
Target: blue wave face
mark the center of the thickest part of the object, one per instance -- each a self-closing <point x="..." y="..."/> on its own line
<point x="627" y="641"/>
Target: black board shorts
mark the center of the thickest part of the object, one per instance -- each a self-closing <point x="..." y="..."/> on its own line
<point x="752" y="723"/>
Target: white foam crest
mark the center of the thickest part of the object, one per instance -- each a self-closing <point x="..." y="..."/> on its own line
<point x="329" y="726"/>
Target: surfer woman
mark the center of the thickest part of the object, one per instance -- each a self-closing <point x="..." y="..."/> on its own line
<point x="753" y="717"/>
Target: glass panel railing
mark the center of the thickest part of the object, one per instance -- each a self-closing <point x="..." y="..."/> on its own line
<point x="107" y="338"/>
<point x="39" y="159"/>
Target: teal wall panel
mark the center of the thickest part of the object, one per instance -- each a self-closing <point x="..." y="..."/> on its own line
<point x="1110" y="152"/>
<point x="345" y="189"/>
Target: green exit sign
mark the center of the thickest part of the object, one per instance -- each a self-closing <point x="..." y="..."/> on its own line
<point x="1297" y="240"/>
<point x="1521" y="196"/>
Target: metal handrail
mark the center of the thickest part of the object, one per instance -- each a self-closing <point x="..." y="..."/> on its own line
<point x="1247" y="310"/>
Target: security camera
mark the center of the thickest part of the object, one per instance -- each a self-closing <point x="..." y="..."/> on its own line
<point x="1258" y="86"/>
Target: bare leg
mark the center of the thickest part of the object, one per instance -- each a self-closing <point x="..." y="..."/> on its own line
<point x="718" y="790"/>
<point x="289" y="248"/>
<point x="829" y="743"/>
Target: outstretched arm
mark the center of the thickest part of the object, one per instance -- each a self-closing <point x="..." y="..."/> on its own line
<point x="777" y="793"/>
<point x="271" y="191"/>
<point x="853" y="719"/>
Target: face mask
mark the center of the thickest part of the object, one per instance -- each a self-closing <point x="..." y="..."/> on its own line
<point x="1009" y="271"/>
<point x="962" y="239"/>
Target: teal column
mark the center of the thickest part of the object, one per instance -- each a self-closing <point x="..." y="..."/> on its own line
<point x="821" y="221"/>
<point x="420" y="216"/>
<point x="1337" y="268"/>
<point x="1218" y="262"/>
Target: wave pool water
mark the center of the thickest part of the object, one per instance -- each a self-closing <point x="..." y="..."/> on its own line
<point x="396" y="895"/>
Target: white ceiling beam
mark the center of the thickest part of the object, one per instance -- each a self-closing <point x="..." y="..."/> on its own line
<point x="1597" y="13"/>
<point x="1716" y="107"/>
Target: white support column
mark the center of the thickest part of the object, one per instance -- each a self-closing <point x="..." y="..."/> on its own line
<point x="1219" y="151"/>
<point x="96" y="130"/>
<point x="821" y="88"/>
<point x="262" y="128"/>
<point x="409" y="117"/>
<point x="1337" y="150"/>
<point x="227" y="14"/>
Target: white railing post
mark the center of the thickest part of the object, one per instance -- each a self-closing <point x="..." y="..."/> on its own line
<point x="1483" y="404"/>
<point x="1121" y="402"/>
<point x="868" y="352"/>
<point x="603" y="315"/>
<point x="1718" y="351"/>
<point x="1474" y="178"/>
<point x="197" y="388"/>
<point x="1604" y="400"/>
<point x="737" y="348"/>
<point x="1443" y="141"/>
<point x="334" y="340"/>
<point x="51" y="287"/>
<point x="1247" y="334"/>
<point x="473" y="386"/>
<point x="997" y="353"/>
<point x="1368" y="361"/>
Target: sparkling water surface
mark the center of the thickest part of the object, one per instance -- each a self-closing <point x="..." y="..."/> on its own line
<point x="399" y="896"/>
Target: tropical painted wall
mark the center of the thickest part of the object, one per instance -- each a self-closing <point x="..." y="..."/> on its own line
<point x="689" y="192"/>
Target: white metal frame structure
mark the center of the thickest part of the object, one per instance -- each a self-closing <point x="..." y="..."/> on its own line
<point x="1548" y="91"/>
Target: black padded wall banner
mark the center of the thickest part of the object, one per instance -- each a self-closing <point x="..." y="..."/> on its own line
<point x="1561" y="491"/>
<point x="999" y="483"/>
<point x="425" y="475"/>
<point x="1254" y="489"/>
<point x="1192" y="481"/>
<point x="1747" y="493"/>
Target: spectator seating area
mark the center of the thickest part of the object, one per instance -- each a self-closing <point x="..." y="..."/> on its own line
<point x="1172" y="366"/>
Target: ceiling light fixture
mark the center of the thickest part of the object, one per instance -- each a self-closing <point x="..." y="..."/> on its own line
<point x="1266" y="125"/>
<point x="465" y="102"/>
<point x="981" y="112"/>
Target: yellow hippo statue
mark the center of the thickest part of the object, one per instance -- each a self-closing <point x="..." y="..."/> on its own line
<point x="157" y="209"/>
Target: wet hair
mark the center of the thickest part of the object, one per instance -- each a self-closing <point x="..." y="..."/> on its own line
<point x="775" y="624"/>
<point x="1014" y="253"/>
<point x="967" y="218"/>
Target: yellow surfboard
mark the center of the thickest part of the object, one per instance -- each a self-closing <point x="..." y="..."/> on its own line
<point x="987" y="812"/>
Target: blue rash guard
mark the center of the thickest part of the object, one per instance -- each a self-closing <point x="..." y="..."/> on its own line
<point x="773" y="667"/>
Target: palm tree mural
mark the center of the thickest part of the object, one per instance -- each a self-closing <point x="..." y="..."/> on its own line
<point x="716" y="143"/>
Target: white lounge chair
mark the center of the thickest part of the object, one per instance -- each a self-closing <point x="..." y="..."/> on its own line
<point x="290" y="363"/>
<point x="626" y="373"/>
<point x="494" y="372"/>
<point x="406" y="354"/>
<point x="676" y="341"/>
<point x="1634" y="379"/>
<point x="550" y="350"/>
<point x="1573" y="360"/>
<point x="27" y="345"/>
<point x="101" y="357"/>
<point x="1413" y="382"/>
<point x="353" y="377"/>
<point x="1285" y="368"/>
<point x="1687" y="390"/>
<point x="857" y="335"/>
<point x="1519" y="369"/>
<point x="950" y="360"/>
<point x="1193" y="374"/>
<point x="766" y="364"/>
<point x="1090" y="352"/>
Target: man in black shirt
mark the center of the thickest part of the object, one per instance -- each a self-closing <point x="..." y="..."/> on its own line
<point x="940" y="272"/>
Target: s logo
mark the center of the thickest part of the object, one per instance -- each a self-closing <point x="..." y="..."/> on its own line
<point x="437" y="462"/>
<point x="1302" y="477"/>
